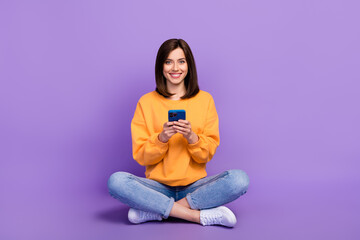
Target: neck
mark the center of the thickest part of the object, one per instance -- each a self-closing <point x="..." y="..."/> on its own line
<point x="177" y="90"/>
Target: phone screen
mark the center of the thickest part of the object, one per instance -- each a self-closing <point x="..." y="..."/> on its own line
<point x="175" y="115"/>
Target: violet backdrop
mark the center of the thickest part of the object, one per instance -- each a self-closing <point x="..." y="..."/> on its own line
<point x="284" y="76"/>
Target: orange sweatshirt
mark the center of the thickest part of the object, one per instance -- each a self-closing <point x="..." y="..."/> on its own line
<point x="175" y="163"/>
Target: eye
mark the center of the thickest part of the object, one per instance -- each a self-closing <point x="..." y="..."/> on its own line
<point x="167" y="62"/>
<point x="182" y="61"/>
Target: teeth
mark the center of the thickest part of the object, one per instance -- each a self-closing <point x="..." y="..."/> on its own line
<point x="175" y="75"/>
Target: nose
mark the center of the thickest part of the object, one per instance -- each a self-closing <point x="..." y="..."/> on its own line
<point x="175" y="67"/>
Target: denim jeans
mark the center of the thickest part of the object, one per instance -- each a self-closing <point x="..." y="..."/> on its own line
<point x="152" y="196"/>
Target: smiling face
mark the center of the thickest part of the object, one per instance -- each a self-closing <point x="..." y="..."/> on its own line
<point x="175" y="68"/>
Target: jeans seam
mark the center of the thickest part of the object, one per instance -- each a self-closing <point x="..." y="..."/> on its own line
<point x="212" y="180"/>
<point x="114" y="196"/>
<point x="193" y="203"/>
<point x="145" y="183"/>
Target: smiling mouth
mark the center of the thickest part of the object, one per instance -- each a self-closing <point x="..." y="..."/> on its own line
<point x="175" y="75"/>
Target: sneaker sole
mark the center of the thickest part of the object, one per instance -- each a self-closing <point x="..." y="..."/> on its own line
<point x="233" y="220"/>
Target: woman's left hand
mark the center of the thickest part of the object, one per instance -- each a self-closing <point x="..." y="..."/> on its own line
<point x="184" y="127"/>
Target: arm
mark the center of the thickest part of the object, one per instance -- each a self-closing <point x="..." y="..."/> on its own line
<point x="202" y="147"/>
<point x="203" y="150"/>
<point x="147" y="148"/>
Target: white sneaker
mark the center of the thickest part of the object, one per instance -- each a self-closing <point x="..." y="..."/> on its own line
<point x="218" y="216"/>
<point x="139" y="216"/>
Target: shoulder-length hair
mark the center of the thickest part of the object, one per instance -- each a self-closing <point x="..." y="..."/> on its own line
<point x="190" y="81"/>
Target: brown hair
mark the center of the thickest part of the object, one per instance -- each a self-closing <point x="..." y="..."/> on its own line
<point x="190" y="81"/>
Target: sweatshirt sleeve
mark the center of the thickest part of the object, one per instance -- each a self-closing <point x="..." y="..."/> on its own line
<point x="203" y="150"/>
<point x="147" y="148"/>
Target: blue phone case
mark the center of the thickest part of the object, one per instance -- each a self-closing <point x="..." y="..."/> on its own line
<point x="175" y="115"/>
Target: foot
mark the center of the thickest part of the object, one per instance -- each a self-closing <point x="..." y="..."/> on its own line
<point x="138" y="216"/>
<point x="217" y="216"/>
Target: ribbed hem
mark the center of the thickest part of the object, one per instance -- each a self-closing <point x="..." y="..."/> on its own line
<point x="196" y="144"/>
<point x="167" y="212"/>
<point x="158" y="142"/>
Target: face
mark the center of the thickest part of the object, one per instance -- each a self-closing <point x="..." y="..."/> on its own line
<point x="175" y="67"/>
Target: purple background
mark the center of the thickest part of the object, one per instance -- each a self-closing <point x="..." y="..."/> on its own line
<point x="285" y="79"/>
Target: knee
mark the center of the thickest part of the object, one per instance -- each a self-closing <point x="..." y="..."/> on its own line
<point x="239" y="181"/>
<point x="117" y="181"/>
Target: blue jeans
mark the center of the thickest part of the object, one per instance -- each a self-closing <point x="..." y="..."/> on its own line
<point x="152" y="196"/>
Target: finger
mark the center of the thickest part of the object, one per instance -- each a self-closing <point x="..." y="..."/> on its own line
<point x="169" y="124"/>
<point x="177" y="123"/>
<point x="169" y="127"/>
<point x="179" y="128"/>
<point x="184" y="121"/>
<point x="170" y="133"/>
<point x="180" y="124"/>
<point x="184" y="128"/>
<point x="183" y="132"/>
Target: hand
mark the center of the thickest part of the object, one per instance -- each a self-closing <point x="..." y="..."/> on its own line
<point x="184" y="127"/>
<point x="167" y="132"/>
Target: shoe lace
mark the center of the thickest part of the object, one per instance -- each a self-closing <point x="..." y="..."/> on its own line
<point x="214" y="218"/>
<point x="148" y="215"/>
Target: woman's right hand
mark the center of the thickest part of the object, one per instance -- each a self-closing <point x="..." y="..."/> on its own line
<point x="167" y="132"/>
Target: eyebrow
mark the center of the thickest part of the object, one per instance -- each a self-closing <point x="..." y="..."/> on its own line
<point x="178" y="59"/>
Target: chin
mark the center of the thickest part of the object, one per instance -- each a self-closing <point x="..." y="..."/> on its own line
<point x="178" y="82"/>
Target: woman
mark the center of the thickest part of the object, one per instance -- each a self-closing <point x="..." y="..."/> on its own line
<point x="175" y="153"/>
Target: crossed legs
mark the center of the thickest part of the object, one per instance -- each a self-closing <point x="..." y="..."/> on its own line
<point x="181" y="209"/>
<point x="149" y="195"/>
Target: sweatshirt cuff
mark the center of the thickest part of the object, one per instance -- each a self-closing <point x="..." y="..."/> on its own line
<point x="195" y="145"/>
<point x="158" y="142"/>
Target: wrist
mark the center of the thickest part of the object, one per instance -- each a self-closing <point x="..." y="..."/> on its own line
<point x="161" y="138"/>
<point x="193" y="138"/>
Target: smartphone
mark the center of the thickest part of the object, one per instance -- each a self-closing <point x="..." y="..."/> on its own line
<point x="175" y="115"/>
